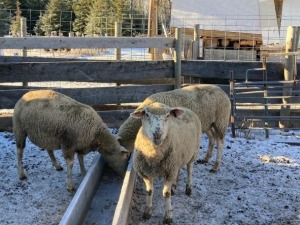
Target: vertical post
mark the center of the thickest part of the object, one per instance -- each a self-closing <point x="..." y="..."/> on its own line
<point x="23" y="27"/>
<point x="195" y="49"/>
<point x="232" y="99"/>
<point x="177" y="57"/>
<point x="291" y="45"/>
<point x="196" y="42"/>
<point x="152" y="23"/>
<point x="118" y="33"/>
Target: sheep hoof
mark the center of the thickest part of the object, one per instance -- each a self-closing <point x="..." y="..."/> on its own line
<point x="202" y="161"/>
<point x="188" y="191"/>
<point x="71" y="189"/>
<point x="173" y="189"/>
<point x="59" y="168"/>
<point x="23" y="177"/>
<point x="213" y="170"/>
<point x="168" y="219"/>
<point x="147" y="213"/>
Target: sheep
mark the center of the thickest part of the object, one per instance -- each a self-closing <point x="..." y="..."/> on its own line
<point x="168" y="139"/>
<point x="53" y="121"/>
<point x="209" y="102"/>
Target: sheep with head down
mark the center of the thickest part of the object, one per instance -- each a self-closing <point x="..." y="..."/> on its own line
<point x="54" y="121"/>
<point x="168" y="139"/>
<point x="209" y="102"/>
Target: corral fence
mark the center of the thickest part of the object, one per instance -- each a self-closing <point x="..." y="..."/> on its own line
<point x="264" y="99"/>
<point x="113" y="88"/>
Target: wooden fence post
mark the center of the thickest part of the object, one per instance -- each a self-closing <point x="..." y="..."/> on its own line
<point x="118" y="33"/>
<point x="291" y="45"/>
<point x="195" y="45"/>
<point x="23" y="32"/>
<point x="177" y="57"/>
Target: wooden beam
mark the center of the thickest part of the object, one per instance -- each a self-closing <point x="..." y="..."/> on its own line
<point x="223" y="34"/>
<point x="291" y="45"/>
<point x="86" y="42"/>
<point x="112" y="118"/>
<point x="221" y="69"/>
<point x="91" y="71"/>
<point x="92" y="96"/>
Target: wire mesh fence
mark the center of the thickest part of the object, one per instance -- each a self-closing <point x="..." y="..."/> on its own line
<point x="234" y="37"/>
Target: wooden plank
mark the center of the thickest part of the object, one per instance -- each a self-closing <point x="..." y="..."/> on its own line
<point x="76" y="212"/>
<point x="85" y="42"/>
<point x="223" y="34"/>
<point x="10" y="59"/>
<point x="115" y="118"/>
<point x="121" y="215"/>
<point x="92" y="96"/>
<point x="122" y="71"/>
<point x="104" y="71"/>
<point x="221" y="69"/>
<point x="112" y="118"/>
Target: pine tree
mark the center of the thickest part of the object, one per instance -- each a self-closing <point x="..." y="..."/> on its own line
<point x="15" y="27"/>
<point x="100" y="19"/>
<point x="4" y="22"/>
<point x="57" y="17"/>
<point x="81" y="10"/>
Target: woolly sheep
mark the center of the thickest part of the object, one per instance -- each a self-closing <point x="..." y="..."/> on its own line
<point x="54" y="121"/>
<point x="168" y="139"/>
<point x="209" y="102"/>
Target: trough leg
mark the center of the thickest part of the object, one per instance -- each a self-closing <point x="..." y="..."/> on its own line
<point x="81" y="163"/>
<point x="54" y="161"/>
<point x="149" y="196"/>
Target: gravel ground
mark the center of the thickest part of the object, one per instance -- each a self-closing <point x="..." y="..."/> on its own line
<point x="258" y="184"/>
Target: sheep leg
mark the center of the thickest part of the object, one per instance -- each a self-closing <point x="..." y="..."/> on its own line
<point x="220" y="145"/>
<point x="211" y="137"/>
<point x="174" y="186"/>
<point x="54" y="161"/>
<point x="69" y="157"/>
<point x="22" y="174"/>
<point x="168" y="218"/>
<point x="81" y="163"/>
<point x="149" y="206"/>
<point x="188" y="189"/>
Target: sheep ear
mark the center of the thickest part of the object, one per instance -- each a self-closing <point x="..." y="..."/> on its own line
<point x="177" y="112"/>
<point x="137" y="114"/>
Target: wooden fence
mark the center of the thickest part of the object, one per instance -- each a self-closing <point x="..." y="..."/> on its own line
<point x="137" y="79"/>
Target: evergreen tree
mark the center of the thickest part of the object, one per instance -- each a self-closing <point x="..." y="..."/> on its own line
<point x="100" y="19"/>
<point x="4" y="21"/>
<point x="56" y="18"/>
<point x="81" y="10"/>
<point x="15" y="27"/>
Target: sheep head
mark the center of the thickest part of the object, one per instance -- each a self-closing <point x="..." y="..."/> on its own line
<point x="156" y="119"/>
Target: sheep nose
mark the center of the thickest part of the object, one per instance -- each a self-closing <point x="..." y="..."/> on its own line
<point x="157" y="138"/>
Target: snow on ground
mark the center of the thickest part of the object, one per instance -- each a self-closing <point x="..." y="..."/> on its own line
<point x="258" y="184"/>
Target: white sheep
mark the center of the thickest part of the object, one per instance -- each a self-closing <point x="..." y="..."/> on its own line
<point x="168" y="139"/>
<point x="54" y="121"/>
<point x="209" y="102"/>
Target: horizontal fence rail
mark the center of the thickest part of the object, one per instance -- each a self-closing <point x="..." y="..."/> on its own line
<point x="79" y="42"/>
<point x="266" y="104"/>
